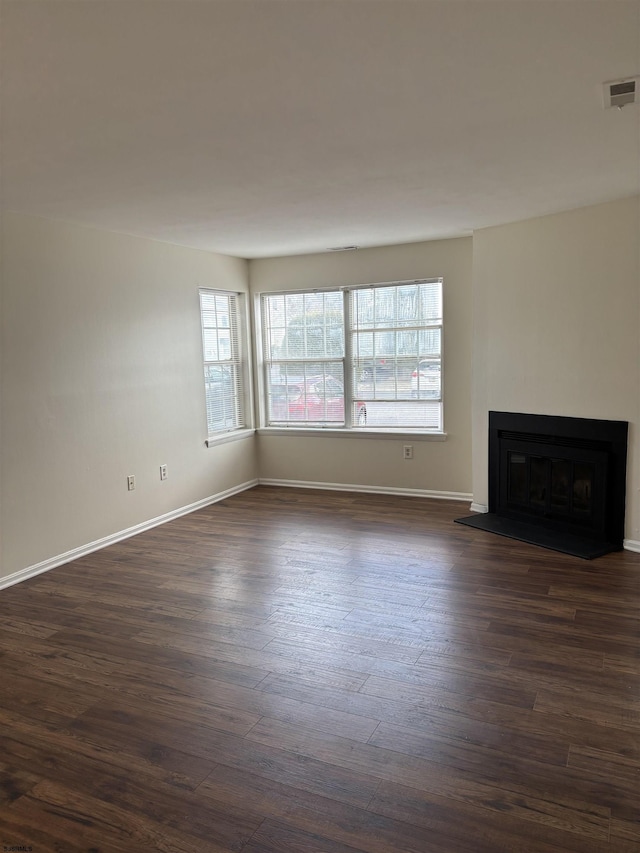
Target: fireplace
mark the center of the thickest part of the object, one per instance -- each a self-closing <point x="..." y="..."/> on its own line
<point x="557" y="482"/>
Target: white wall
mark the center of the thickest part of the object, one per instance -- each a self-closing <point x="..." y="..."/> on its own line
<point x="102" y="377"/>
<point x="437" y="466"/>
<point x="101" y="361"/>
<point x="556" y="326"/>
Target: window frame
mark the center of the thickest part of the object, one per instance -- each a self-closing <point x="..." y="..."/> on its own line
<point x="350" y="427"/>
<point x="239" y="360"/>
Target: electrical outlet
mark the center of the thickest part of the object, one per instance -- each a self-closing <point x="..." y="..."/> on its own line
<point x="407" y="451"/>
<point x="131" y="482"/>
<point x="163" y="472"/>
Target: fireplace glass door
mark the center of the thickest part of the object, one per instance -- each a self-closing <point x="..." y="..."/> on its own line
<point x="552" y="482"/>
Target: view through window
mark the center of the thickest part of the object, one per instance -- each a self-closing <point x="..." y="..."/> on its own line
<point x="367" y="357"/>
<point x="223" y="363"/>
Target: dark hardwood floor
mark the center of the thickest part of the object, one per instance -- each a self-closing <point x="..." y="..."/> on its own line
<point x="296" y="671"/>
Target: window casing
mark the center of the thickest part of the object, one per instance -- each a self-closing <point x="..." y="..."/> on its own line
<point x="224" y="361"/>
<point x="354" y="358"/>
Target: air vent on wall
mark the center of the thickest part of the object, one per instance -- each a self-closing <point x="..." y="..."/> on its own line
<point x="619" y="93"/>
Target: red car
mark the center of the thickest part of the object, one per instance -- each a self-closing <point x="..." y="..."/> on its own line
<point x="317" y="399"/>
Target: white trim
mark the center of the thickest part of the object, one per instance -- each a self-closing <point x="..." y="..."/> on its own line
<point x="226" y="437"/>
<point x="98" y="544"/>
<point x="359" y="432"/>
<point x="374" y="490"/>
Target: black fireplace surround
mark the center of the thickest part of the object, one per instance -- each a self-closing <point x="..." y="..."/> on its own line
<point x="557" y="482"/>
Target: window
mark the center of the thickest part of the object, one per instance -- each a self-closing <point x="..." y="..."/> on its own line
<point x="224" y="365"/>
<point x="356" y="357"/>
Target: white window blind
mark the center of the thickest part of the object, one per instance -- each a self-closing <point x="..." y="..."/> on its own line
<point x="303" y="336"/>
<point x="224" y="364"/>
<point x="396" y="353"/>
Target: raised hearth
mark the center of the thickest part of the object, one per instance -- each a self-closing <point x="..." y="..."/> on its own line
<point x="557" y="482"/>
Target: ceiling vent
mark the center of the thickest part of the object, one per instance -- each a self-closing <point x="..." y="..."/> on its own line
<point x="619" y="93"/>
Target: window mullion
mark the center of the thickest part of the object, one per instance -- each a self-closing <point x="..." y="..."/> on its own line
<point x="347" y="369"/>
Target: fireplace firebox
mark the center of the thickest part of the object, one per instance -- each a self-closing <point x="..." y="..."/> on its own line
<point x="556" y="481"/>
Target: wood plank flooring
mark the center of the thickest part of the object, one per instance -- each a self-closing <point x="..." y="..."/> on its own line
<point x="297" y="671"/>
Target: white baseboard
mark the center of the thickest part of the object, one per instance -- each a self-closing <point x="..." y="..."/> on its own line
<point x="98" y="544"/>
<point x="373" y="490"/>
<point x="83" y="550"/>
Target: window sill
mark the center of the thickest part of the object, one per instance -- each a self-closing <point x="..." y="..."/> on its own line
<point x="225" y="437"/>
<point x="329" y="432"/>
